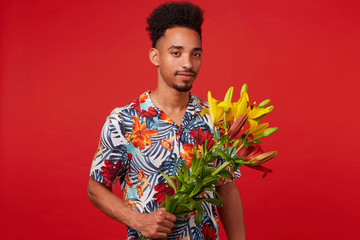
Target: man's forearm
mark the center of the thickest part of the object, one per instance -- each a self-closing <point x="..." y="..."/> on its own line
<point x="110" y="204"/>
<point x="156" y="224"/>
<point x="231" y="214"/>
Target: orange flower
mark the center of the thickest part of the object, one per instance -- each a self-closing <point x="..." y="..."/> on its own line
<point x="167" y="143"/>
<point x="131" y="204"/>
<point x="140" y="190"/>
<point x="141" y="135"/>
<point x="189" y="153"/>
<point x="164" y="117"/>
<point x="124" y="193"/>
<point x="128" y="137"/>
<point x="142" y="178"/>
<point x="143" y="98"/>
<point x="128" y="182"/>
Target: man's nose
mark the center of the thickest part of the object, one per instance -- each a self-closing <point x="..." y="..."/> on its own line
<point x="186" y="61"/>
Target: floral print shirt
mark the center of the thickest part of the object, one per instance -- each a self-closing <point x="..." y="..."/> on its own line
<point x="138" y="141"/>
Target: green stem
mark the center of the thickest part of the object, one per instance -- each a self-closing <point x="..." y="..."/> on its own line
<point x="214" y="131"/>
<point x="224" y="165"/>
<point x="237" y="150"/>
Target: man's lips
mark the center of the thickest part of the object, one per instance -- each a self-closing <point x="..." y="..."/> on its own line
<point x="186" y="76"/>
<point x="185" y="73"/>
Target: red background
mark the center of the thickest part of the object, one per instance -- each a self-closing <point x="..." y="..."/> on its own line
<point x="65" y="65"/>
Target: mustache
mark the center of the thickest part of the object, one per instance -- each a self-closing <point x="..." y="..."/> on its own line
<point x="185" y="71"/>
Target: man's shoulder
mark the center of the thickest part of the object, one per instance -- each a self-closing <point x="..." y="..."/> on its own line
<point x="126" y="111"/>
<point x="198" y="103"/>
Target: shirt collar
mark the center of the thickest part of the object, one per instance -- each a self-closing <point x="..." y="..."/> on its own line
<point x="194" y="107"/>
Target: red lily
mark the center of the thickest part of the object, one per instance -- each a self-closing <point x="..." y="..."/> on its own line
<point x="237" y="126"/>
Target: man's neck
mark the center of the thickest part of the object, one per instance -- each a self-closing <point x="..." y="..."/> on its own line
<point x="172" y="102"/>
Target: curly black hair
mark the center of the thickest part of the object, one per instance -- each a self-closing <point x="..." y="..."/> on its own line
<point x="169" y="15"/>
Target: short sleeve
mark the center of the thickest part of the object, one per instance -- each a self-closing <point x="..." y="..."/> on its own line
<point x="110" y="161"/>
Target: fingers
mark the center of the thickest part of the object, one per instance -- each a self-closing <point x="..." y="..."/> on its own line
<point x="165" y="219"/>
<point x="168" y="216"/>
<point x="157" y="224"/>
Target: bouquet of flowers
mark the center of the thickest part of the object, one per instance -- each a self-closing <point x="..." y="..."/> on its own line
<point x="236" y="139"/>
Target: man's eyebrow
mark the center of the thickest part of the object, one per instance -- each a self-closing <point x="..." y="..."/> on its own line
<point x="176" y="47"/>
<point x="181" y="47"/>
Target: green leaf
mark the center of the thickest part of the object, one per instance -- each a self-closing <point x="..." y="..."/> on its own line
<point x="205" y="171"/>
<point x="210" y="160"/>
<point x="222" y="139"/>
<point x="167" y="202"/>
<point x="210" y="180"/>
<point x="169" y="181"/>
<point x="222" y="154"/>
<point x="216" y="193"/>
<point x="186" y="170"/>
<point x="199" y="213"/>
<point x="225" y="174"/>
<point x="187" y="188"/>
<point x="178" y="182"/>
<point x="197" y="187"/>
<point x="173" y="204"/>
<point x="196" y="155"/>
<point x="181" y="208"/>
<point x="180" y="174"/>
<point x="194" y="167"/>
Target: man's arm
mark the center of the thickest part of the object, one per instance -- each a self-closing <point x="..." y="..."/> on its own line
<point x="231" y="214"/>
<point x="154" y="225"/>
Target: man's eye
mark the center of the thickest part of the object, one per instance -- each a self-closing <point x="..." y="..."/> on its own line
<point x="197" y="55"/>
<point x="175" y="53"/>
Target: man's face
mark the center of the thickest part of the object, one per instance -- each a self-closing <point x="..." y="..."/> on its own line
<point x="180" y="52"/>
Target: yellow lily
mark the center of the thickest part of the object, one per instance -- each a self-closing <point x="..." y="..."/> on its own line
<point x="259" y="130"/>
<point x="228" y="105"/>
<point x="254" y="114"/>
<point x="216" y="113"/>
<point x="241" y="106"/>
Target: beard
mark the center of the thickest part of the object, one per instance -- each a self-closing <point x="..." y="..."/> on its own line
<point x="182" y="88"/>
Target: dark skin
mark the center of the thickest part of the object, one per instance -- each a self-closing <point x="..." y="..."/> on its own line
<point x="177" y="57"/>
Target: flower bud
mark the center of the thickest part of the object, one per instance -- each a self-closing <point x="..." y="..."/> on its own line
<point x="237" y="126"/>
<point x="269" y="131"/>
<point x="236" y="143"/>
<point x="228" y="97"/>
<point x="262" y="158"/>
<point x="270" y="108"/>
<point x="229" y="94"/>
<point x="243" y="88"/>
<point x="264" y="103"/>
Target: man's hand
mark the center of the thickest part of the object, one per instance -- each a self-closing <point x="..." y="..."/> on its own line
<point x="156" y="224"/>
<point x="153" y="225"/>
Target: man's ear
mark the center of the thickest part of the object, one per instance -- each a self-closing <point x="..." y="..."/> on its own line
<point x="154" y="56"/>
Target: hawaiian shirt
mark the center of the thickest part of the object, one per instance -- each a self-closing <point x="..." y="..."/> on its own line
<point x="138" y="141"/>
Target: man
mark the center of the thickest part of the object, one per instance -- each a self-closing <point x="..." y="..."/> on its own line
<point x="157" y="131"/>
